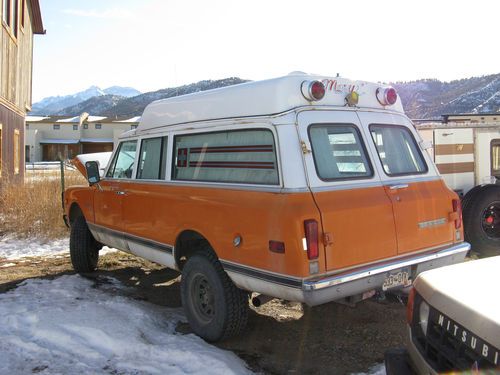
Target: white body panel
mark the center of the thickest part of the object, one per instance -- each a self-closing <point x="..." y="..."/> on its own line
<point x="261" y="98"/>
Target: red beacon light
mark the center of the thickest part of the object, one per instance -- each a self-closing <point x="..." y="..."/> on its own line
<point x="387" y="95"/>
<point x="313" y="90"/>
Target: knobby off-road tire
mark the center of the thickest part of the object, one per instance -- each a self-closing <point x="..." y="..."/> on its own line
<point x="216" y="309"/>
<point x="83" y="247"/>
<point x="482" y="221"/>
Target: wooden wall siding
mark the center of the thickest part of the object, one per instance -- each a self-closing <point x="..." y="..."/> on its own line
<point x="10" y="122"/>
<point x="16" y="65"/>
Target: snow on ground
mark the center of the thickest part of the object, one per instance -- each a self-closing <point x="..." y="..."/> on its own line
<point x="375" y="370"/>
<point x="74" y="325"/>
<point x="13" y="248"/>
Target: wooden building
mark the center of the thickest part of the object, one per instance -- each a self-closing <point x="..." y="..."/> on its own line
<point x="21" y="19"/>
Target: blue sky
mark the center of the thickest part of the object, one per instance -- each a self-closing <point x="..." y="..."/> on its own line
<point x="153" y="44"/>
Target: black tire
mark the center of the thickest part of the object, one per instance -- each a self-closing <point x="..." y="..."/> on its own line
<point x="482" y="221"/>
<point x="83" y="248"/>
<point x="469" y="196"/>
<point x="216" y="309"/>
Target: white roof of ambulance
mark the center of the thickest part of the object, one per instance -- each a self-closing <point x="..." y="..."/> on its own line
<point x="258" y="98"/>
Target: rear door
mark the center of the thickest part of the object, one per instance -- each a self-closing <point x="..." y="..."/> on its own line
<point x="355" y="210"/>
<point x="421" y="201"/>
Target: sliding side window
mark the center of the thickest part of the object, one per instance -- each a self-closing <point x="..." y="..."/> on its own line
<point x="240" y="156"/>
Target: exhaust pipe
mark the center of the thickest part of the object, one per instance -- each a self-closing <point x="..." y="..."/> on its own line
<point x="260" y="300"/>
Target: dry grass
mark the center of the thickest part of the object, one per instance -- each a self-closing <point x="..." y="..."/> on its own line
<point x="34" y="209"/>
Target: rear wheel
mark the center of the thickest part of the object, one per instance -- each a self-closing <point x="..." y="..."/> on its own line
<point x="83" y="248"/>
<point x="216" y="309"/>
<point x="482" y="221"/>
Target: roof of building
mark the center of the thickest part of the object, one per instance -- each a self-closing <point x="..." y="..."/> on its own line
<point x="37" y="17"/>
<point x="77" y="119"/>
<point x="471" y="114"/>
<point x="60" y="141"/>
<point x="131" y="120"/>
<point x="258" y="98"/>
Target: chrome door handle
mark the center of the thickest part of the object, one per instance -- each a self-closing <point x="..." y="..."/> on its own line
<point x="399" y="186"/>
<point x="120" y="193"/>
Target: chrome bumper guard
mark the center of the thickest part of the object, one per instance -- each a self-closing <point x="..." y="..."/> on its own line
<point x="330" y="288"/>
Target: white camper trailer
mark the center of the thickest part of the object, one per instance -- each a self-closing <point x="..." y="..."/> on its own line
<point x="467" y="155"/>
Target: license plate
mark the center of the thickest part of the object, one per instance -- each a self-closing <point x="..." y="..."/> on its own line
<point x="401" y="278"/>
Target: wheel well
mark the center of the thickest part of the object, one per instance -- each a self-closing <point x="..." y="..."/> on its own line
<point x="74" y="212"/>
<point x="187" y="243"/>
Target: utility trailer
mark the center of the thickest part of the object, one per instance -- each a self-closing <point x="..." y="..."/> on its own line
<point x="468" y="157"/>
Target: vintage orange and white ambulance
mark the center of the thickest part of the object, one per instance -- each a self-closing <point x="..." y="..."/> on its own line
<point x="304" y="187"/>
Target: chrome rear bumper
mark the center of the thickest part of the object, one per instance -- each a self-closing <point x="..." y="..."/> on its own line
<point x="319" y="290"/>
<point x="338" y="286"/>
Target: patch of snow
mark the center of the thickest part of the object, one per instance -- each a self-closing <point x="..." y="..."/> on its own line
<point x="74" y="325"/>
<point x="71" y="119"/>
<point x="13" y="248"/>
<point x="378" y="369"/>
<point x="95" y="118"/>
<point x="6" y="265"/>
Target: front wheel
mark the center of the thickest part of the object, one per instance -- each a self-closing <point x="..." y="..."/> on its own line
<point x="83" y="248"/>
<point x="216" y="309"/>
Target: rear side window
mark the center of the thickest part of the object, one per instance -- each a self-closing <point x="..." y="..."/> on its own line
<point x="398" y="150"/>
<point x="123" y="162"/>
<point x="339" y="152"/>
<point x="242" y="156"/>
<point x="152" y="159"/>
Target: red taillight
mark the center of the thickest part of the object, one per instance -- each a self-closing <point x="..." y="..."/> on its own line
<point x="277" y="246"/>
<point x="311" y="231"/>
<point x="313" y="90"/>
<point x="387" y="95"/>
<point x="410" y="306"/>
<point x="457" y="207"/>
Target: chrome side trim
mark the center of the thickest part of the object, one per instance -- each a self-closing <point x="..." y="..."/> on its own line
<point x="366" y="272"/>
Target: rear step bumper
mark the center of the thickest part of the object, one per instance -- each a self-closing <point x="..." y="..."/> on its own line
<point x="334" y="287"/>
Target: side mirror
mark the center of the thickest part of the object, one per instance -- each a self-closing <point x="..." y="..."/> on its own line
<point x="92" y="168"/>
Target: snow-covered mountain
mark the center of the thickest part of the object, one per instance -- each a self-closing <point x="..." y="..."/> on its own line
<point x="56" y="104"/>
<point x="422" y="99"/>
<point x="430" y="98"/>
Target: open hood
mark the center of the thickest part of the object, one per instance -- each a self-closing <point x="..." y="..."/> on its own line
<point x="102" y="158"/>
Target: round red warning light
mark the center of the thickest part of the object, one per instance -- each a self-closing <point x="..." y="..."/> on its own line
<point x="313" y="90"/>
<point x="387" y="95"/>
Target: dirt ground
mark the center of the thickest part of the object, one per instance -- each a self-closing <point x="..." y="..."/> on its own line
<point x="281" y="338"/>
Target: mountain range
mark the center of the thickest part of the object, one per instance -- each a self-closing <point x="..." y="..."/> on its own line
<point x="422" y="99"/>
<point x="54" y="105"/>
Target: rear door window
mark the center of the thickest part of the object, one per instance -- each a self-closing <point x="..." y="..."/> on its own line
<point x="339" y="152"/>
<point x="123" y="162"/>
<point x="397" y="149"/>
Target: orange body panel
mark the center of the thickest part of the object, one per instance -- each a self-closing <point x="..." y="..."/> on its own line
<point x="361" y="225"/>
<point x="108" y="204"/>
<point x="161" y="212"/>
<point x="423" y="202"/>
